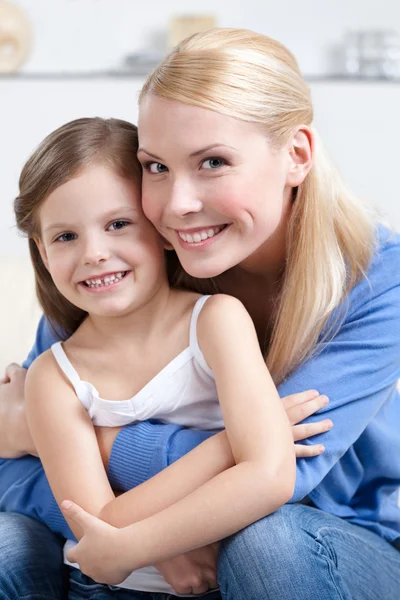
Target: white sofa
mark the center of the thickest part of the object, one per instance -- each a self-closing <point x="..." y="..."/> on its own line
<point x="19" y="310"/>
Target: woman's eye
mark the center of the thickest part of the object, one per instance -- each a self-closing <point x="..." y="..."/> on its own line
<point x="66" y="237"/>
<point x="115" y="225"/>
<point x="213" y="163"/>
<point x="155" y="167"/>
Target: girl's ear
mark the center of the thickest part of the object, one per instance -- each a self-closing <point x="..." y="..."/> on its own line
<point x="301" y="151"/>
<point x="42" y="251"/>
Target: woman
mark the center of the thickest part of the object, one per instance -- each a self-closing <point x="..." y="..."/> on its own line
<point x="239" y="187"/>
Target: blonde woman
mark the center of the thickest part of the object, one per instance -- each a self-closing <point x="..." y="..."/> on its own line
<point x="238" y="185"/>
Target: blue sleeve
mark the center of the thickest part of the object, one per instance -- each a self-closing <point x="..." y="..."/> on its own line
<point x="45" y="337"/>
<point x="23" y="484"/>
<point x="24" y="489"/>
<point x="357" y="370"/>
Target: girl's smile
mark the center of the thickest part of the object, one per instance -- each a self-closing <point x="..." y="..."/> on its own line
<point x="103" y="254"/>
<point x="104" y="283"/>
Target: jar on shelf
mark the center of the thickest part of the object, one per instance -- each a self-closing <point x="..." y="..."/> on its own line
<point x="15" y="37"/>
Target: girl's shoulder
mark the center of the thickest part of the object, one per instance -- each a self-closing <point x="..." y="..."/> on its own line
<point x="44" y="370"/>
<point x="222" y="313"/>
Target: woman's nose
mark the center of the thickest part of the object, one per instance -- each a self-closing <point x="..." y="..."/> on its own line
<point x="183" y="200"/>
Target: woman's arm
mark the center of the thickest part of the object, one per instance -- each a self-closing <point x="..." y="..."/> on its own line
<point x="65" y="438"/>
<point x="259" y="434"/>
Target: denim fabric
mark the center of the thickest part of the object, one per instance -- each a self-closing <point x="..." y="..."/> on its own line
<point x="298" y="553"/>
<point x="302" y="553"/>
<point x="31" y="560"/>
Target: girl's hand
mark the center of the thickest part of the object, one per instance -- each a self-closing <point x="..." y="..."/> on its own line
<point x="192" y="573"/>
<point x="99" y="553"/>
<point x="300" y="406"/>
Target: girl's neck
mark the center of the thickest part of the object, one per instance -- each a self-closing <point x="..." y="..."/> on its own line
<point x="143" y="320"/>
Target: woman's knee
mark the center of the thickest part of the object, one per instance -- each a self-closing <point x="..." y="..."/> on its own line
<point x="31" y="559"/>
<point x="279" y="533"/>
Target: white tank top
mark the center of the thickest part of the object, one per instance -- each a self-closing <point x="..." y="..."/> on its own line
<point x="183" y="393"/>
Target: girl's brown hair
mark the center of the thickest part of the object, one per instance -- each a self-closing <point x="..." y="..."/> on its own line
<point x="60" y="157"/>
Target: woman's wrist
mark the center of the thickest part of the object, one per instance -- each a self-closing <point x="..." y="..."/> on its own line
<point x="15" y="437"/>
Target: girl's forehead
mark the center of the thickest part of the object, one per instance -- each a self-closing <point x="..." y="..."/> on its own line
<point x="94" y="191"/>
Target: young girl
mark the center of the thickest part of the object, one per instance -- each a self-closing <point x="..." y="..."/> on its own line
<point x="101" y="278"/>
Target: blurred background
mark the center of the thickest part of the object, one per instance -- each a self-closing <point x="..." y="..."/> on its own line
<point x="64" y="59"/>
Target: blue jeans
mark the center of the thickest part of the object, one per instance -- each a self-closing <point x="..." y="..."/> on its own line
<point x="298" y="553"/>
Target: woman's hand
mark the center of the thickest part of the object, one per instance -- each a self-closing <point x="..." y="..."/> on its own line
<point x="15" y="437"/>
<point x="192" y="573"/>
<point x="300" y="406"/>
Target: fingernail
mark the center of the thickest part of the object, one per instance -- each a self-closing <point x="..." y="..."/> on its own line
<point x="321" y="449"/>
<point x="66" y="504"/>
<point x="314" y="393"/>
<point x="330" y="424"/>
<point x="325" y="400"/>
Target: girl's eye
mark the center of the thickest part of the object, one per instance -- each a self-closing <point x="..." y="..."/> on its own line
<point x="115" y="225"/>
<point x="66" y="237"/>
<point x="213" y="163"/>
<point x="155" y="167"/>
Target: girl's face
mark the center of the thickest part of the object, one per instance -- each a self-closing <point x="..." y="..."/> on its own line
<point x="214" y="187"/>
<point x="103" y="254"/>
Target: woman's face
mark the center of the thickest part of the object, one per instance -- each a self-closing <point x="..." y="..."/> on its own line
<point x="213" y="187"/>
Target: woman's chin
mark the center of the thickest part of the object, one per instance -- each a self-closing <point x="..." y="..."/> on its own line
<point x="204" y="271"/>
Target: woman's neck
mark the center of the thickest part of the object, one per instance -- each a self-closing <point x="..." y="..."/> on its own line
<point x="257" y="282"/>
<point x="258" y="294"/>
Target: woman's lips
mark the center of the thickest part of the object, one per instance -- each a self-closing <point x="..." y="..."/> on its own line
<point x="201" y="237"/>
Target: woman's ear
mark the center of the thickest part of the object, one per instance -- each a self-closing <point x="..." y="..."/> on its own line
<point x="42" y="251"/>
<point x="301" y="151"/>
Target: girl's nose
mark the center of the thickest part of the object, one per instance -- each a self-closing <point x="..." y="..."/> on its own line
<point x="95" y="252"/>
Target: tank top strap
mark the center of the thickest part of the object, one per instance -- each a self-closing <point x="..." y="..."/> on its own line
<point x="65" y="365"/>
<point x="194" y="344"/>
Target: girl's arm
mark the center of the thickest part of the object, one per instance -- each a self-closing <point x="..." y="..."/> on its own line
<point x="65" y="439"/>
<point x="259" y="434"/>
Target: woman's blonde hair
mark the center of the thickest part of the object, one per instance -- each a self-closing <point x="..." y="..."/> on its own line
<point x="331" y="235"/>
<point x="60" y="157"/>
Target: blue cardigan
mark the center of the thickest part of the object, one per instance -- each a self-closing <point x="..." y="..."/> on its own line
<point x="358" y="476"/>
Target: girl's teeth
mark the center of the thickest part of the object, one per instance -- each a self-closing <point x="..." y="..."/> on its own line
<point x="108" y="280"/>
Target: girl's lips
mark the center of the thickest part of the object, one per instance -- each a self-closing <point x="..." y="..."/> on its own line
<point x="104" y="288"/>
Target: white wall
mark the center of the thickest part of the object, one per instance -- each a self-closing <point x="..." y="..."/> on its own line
<point x="84" y="34"/>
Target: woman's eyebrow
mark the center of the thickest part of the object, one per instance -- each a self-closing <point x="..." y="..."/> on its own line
<point x="195" y="153"/>
<point x="140" y="150"/>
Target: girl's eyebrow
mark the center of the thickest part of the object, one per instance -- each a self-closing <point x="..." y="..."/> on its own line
<point x="115" y="212"/>
<point x="195" y="153"/>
